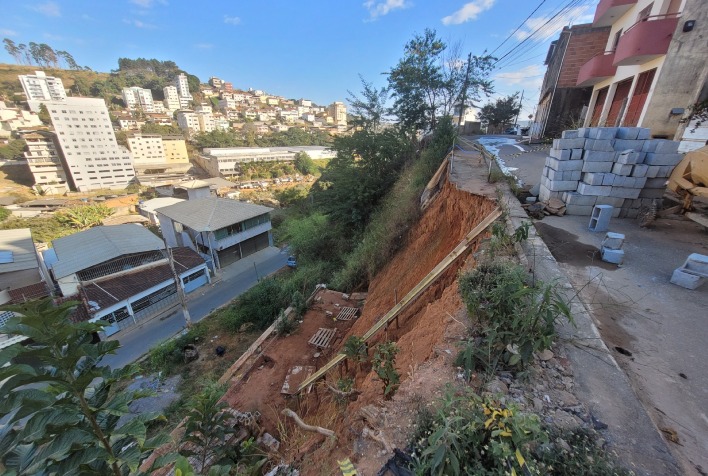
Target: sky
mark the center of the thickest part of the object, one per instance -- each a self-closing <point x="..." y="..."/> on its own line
<point x="313" y="49"/>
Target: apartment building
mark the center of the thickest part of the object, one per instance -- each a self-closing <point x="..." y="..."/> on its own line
<point x="13" y="119"/>
<point x="215" y="82"/>
<point x="156" y="154"/>
<point x="182" y="85"/>
<point x="45" y="162"/>
<point x="188" y="121"/>
<point x="93" y="158"/>
<point x="146" y="149"/>
<point x="136" y="98"/>
<point x="338" y="112"/>
<point x="171" y="98"/>
<point x="175" y="148"/>
<point x="653" y="68"/>
<point x="41" y="88"/>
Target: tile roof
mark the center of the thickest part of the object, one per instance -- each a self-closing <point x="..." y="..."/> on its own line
<point x="212" y="213"/>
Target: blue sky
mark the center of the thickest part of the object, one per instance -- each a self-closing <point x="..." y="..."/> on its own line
<point x="295" y="48"/>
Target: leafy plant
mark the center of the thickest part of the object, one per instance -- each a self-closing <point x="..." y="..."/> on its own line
<point x="285" y="324"/>
<point x="83" y="217"/>
<point x="355" y="349"/>
<point x="57" y="401"/>
<point x="384" y="360"/>
<point x="584" y="457"/>
<point x="344" y="384"/>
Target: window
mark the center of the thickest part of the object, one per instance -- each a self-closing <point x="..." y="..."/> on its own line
<point x="615" y="42"/>
<point x="644" y="14"/>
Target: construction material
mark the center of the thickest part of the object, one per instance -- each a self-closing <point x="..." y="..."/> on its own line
<point x="295" y="375"/>
<point x="298" y="421"/>
<point x="347" y="313"/>
<point x="611" y="248"/>
<point x="692" y="273"/>
<point x="600" y="218"/>
<point x="415" y="292"/>
<point x="322" y="337"/>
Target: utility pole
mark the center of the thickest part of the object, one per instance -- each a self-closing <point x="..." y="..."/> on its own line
<point x="516" y="121"/>
<point x="180" y="291"/>
<point x="465" y="86"/>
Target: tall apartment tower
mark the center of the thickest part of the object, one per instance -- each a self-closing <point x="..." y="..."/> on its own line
<point x="41" y="88"/>
<point x="182" y="85"/>
<point x="171" y="98"/>
<point x="93" y="158"/>
<point x="138" y="98"/>
<point x="45" y="161"/>
<point x="338" y="112"/>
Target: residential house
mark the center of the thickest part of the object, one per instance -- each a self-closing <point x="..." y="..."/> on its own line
<point x="222" y="230"/>
<point x="147" y="208"/>
<point x="122" y="273"/>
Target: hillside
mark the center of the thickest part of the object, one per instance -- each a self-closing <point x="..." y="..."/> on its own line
<point x="9" y="84"/>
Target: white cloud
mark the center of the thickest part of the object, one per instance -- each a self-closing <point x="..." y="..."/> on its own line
<point x="469" y="11"/>
<point x="140" y="24"/>
<point x="6" y="32"/>
<point x="204" y="46"/>
<point x="381" y="8"/>
<point x="521" y="76"/>
<point x="148" y="3"/>
<point x="582" y="14"/>
<point x="232" y="20"/>
<point x="50" y="9"/>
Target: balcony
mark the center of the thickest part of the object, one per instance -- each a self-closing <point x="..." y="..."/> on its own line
<point x="646" y="40"/>
<point x="609" y="11"/>
<point x="599" y="68"/>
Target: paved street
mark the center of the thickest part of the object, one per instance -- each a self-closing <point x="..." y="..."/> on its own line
<point x="233" y="281"/>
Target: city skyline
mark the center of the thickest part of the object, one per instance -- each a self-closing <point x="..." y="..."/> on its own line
<point x="315" y="50"/>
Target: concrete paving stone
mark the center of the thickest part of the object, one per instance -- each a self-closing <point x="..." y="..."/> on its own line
<point x="655" y="183"/>
<point x="667" y="147"/>
<point x="603" y="133"/>
<point x="593" y="178"/>
<point x="597" y="166"/>
<point x="598" y="156"/>
<point x="574" y="198"/>
<point x="651" y="192"/>
<point x="685" y="279"/>
<point x="629" y="133"/>
<point x="625" y="144"/>
<point x="625" y="192"/>
<point x="577" y="143"/>
<point x="644" y="133"/>
<point x="581" y="210"/>
<point x="569" y="134"/>
<point x="621" y="169"/>
<point x="598" y="190"/>
<point x="576" y="154"/>
<point x="560" y="154"/>
<point x="639" y="170"/>
<point x="563" y="165"/>
<point x="612" y="201"/>
<point x="602" y="145"/>
<point x="628" y="157"/>
<point x="657" y="158"/>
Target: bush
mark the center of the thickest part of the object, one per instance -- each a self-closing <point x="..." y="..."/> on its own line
<point x="259" y="306"/>
<point x="384" y="360"/>
<point x="4" y="213"/>
<point x="168" y="355"/>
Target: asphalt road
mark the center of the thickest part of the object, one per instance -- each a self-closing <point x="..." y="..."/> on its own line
<point x="236" y="279"/>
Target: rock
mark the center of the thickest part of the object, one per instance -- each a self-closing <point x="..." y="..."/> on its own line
<point x="546" y="355"/>
<point x="565" y="421"/>
<point x="567" y="399"/>
<point x="563" y="445"/>
<point x="496" y="387"/>
<point x="537" y="404"/>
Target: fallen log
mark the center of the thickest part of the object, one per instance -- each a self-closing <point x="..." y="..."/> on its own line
<point x="323" y="431"/>
<point x="340" y="393"/>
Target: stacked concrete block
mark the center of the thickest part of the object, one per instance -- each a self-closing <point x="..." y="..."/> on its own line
<point x="611" y="248"/>
<point x="692" y="273"/>
<point x="621" y="167"/>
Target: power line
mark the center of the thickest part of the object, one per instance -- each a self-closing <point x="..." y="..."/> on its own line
<point x="518" y="27"/>
<point x="522" y="61"/>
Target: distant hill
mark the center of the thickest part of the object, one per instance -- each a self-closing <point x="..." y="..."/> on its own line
<point x="10" y="85"/>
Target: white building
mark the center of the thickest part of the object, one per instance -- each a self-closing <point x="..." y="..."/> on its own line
<point x="216" y="82"/>
<point x="41" y="88"/>
<point x="45" y="163"/>
<point x="188" y="121"/>
<point x="146" y="149"/>
<point x="305" y="103"/>
<point x="13" y="119"/>
<point x="136" y="98"/>
<point x="182" y="85"/>
<point x="171" y="98"/>
<point x="226" y="161"/>
<point x="338" y="112"/>
<point x="86" y="137"/>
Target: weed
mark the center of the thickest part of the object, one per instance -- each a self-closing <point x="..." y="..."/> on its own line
<point x="356" y="349"/>
<point x="285" y="324"/>
<point x="384" y="359"/>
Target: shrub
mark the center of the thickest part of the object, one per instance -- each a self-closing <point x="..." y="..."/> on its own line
<point x="384" y="360"/>
<point x="585" y="457"/>
<point x="259" y="306"/>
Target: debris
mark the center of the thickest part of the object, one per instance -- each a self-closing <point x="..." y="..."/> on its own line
<point x="351" y="393"/>
<point x="671" y="435"/>
<point x="546" y="355"/>
<point x="397" y="465"/>
<point x="378" y="437"/>
<point x="190" y="353"/>
<point x="220" y="350"/>
<point x="323" y="431"/>
<point x="269" y="442"/>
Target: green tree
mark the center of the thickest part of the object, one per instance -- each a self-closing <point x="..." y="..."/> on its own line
<point x="13" y="50"/>
<point x="384" y="366"/>
<point x="152" y="128"/>
<point x="369" y="109"/>
<point x="43" y="115"/>
<point x="83" y="217"/>
<point x="13" y="150"/>
<point x="61" y="413"/>
<point x="4" y="213"/>
<point x="500" y="112"/>
<point x="304" y="164"/>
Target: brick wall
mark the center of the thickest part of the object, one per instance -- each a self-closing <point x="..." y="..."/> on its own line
<point x="585" y="42"/>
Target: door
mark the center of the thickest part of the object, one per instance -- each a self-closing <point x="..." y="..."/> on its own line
<point x="619" y="100"/>
<point x="639" y="98"/>
<point x="599" y="104"/>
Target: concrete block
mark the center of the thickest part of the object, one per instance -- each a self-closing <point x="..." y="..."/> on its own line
<point x="608" y="179"/>
<point x="621" y="181"/>
<point x="639" y="170"/>
<point x="579" y="210"/>
<point x="639" y="182"/>
<point x="576" y="154"/>
<point x="629" y="133"/>
<point x="616" y="212"/>
<point x="628" y="157"/>
<point x="651" y="192"/>
<point x="621" y="169"/>
<point x="574" y="175"/>
<point x="562" y="185"/>
<point x="598" y="156"/>
<point x="600" y="218"/>
<point x="603" y="145"/>
<point x="560" y="154"/>
<point x="667" y="147"/>
<point x="597" y="166"/>
<point x="563" y="165"/>
<point x="603" y="133"/>
<point x="644" y="133"/>
<point x="625" y="192"/>
<point x="656" y="158"/>
<point x="687" y="280"/>
<point x="593" y="178"/>
<point x="697" y="263"/>
<point x="659" y="171"/>
<point x="577" y="143"/>
<point x="598" y="190"/>
<point x="584" y="132"/>
<point x="613" y="241"/>
<point x="574" y="198"/>
<point x="655" y="183"/>
<point x="545" y="194"/>
<point x="612" y="256"/>
<point x="650" y="145"/>
<point x="612" y="201"/>
<point x="625" y="144"/>
<point x="571" y="134"/>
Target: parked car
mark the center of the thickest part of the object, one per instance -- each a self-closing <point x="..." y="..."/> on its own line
<point x="514" y="130"/>
<point x="291" y="262"/>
